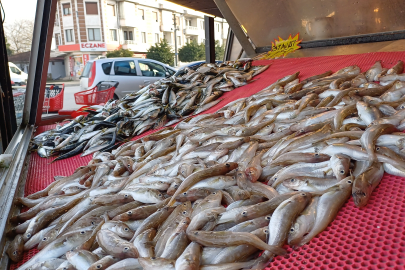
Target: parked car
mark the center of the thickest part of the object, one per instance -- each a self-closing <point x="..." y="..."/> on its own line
<point x="16" y="75"/>
<point x="131" y="73"/>
<point x="193" y="65"/>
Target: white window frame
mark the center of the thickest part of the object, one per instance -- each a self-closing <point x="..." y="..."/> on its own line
<point x="113" y="6"/>
<point x="143" y="37"/>
<point x="87" y="32"/>
<point x="111" y="36"/>
<point x="157" y="39"/>
<point x="72" y="36"/>
<point x="70" y="9"/>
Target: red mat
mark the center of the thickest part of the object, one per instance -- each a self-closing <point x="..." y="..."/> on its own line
<point x="369" y="238"/>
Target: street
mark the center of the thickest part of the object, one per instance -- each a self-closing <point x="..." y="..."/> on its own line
<point x="69" y="99"/>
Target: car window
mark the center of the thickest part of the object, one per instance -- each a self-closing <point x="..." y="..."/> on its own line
<point x="151" y="69"/>
<point x="107" y="68"/>
<point x="14" y="70"/>
<point x="171" y="71"/>
<point x="126" y="68"/>
<point x="86" y="70"/>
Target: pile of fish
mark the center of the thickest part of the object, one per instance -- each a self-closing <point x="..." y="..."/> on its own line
<point x="164" y="102"/>
<point x="219" y="189"/>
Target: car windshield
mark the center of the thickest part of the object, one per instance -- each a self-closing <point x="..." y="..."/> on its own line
<point x="86" y="70"/>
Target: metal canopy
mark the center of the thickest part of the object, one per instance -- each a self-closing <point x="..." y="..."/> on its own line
<point x="206" y="6"/>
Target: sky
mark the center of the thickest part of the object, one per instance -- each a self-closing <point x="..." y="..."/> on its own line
<point x="19" y="9"/>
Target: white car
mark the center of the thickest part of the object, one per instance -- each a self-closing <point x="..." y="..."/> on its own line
<point x="16" y="75"/>
<point x="131" y="73"/>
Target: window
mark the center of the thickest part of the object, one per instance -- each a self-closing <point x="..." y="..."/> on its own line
<point x="143" y="36"/>
<point x="177" y="20"/>
<point x="91" y="8"/>
<point x="86" y="70"/>
<point x="15" y="70"/>
<point x="202" y="25"/>
<point x="57" y="41"/>
<point x="151" y="69"/>
<point x="155" y="16"/>
<point x="171" y="72"/>
<point x="217" y="27"/>
<point x="69" y="35"/>
<point x="142" y="12"/>
<point x="188" y="22"/>
<point x="111" y="10"/>
<point x="179" y="41"/>
<point x="156" y="38"/>
<point x="128" y="35"/>
<point x="106" y="68"/>
<point x="113" y="34"/>
<point x="125" y="68"/>
<point x="94" y="34"/>
<point x="66" y="9"/>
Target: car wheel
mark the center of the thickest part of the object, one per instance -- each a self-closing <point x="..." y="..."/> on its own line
<point x="115" y="97"/>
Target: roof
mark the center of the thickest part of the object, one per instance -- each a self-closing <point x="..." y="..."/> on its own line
<point x="20" y="57"/>
<point x="206" y="6"/>
<point x="24" y="57"/>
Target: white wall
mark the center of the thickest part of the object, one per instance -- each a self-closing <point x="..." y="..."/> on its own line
<point x="56" y="70"/>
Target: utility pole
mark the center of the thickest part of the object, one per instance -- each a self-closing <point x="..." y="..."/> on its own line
<point x="175" y="39"/>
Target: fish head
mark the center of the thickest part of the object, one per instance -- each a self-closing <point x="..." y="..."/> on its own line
<point x="172" y="189"/>
<point x="120" y="228"/>
<point x="294" y="183"/>
<point x="295" y="234"/>
<point x="252" y="174"/>
<point x="128" y="250"/>
<point x="16" y="249"/>
<point x="360" y="197"/>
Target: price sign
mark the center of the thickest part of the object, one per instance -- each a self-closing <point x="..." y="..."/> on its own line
<point x="281" y="47"/>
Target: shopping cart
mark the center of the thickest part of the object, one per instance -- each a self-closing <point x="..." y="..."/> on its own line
<point x="101" y="93"/>
<point x="53" y="100"/>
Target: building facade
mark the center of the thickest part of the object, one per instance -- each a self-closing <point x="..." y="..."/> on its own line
<point x="86" y="29"/>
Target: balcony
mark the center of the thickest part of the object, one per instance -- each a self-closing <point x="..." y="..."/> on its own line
<point x="193" y="30"/>
<point x="127" y="42"/>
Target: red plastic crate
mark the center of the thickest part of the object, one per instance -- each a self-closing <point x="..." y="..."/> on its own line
<point x="53" y="100"/>
<point x="95" y="96"/>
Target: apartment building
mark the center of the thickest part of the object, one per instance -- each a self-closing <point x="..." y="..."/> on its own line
<point x="86" y="29"/>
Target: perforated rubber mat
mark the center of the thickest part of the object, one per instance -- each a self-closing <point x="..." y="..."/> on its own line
<point x="368" y="238"/>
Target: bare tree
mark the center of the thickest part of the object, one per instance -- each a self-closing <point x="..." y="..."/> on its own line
<point x="19" y="35"/>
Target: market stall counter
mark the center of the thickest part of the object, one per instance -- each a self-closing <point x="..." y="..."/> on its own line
<point x="372" y="237"/>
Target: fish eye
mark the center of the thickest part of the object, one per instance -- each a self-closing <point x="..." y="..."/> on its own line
<point x="377" y="148"/>
<point x="185" y="204"/>
<point x="303" y="194"/>
<point x="28" y="235"/>
<point x="82" y="232"/>
<point x="266" y="231"/>
<point x="126" y="195"/>
<point x="14" y="252"/>
<point x="184" y="193"/>
<point x="126" y="248"/>
<point x="184" y="212"/>
<point x="153" y="258"/>
<point x="244" y="213"/>
<point x="349" y="181"/>
<point x="214" y="193"/>
<point x="176" y="186"/>
<point x="129" y="212"/>
<point x="195" y="233"/>
<point x="44" y="239"/>
<point x="98" y="266"/>
<point x="292" y="180"/>
<point x="316" y="154"/>
<point x="342" y="172"/>
<point x="92" y="223"/>
<point x="291" y="230"/>
<point x="268" y="217"/>
<point x="160" y="195"/>
<point x="126" y="229"/>
<point x="129" y="165"/>
<point x="227" y="164"/>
